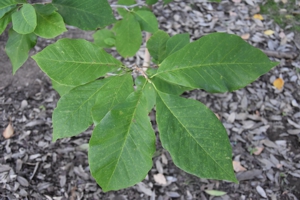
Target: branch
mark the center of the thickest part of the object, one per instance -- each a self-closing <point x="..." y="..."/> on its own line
<point x="147" y="54"/>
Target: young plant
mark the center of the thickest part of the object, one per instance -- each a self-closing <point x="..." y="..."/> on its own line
<point x="98" y="89"/>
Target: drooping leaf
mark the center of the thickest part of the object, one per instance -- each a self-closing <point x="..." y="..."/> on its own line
<point x="123" y="11"/>
<point x="49" y="25"/>
<point x="147" y="20"/>
<point x="5" y="10"/>
<point x="157" y="45"/>
<point x="24" y="21"/>
<point x="86" y="15"/>
<point x="75" y="62"/>
<point x="101" y="36"/>
<point x="196" y="139"/>
<point x="45" y="9"/>
<point x="17" y="48"/>
<point x="61" y="89"/>
<point x="128" y="36"/>
<point x="151" y="2"/>
<point x="168" y="87"/>
<point x="73" y="113"/>
<point x="122" y="145"/>
<point x="218" y="62"/>
<point x="177" y="42"/>
<point x="111" y="96"/>
<point x="148" y="91"/>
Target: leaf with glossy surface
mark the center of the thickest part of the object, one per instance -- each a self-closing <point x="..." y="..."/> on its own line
<point x="73" y="113"/>
<point x="49" y="26"/>
<point x="24" y="21"/>
<point x="112" y="96"/>
<point x="177" y="42"/>
<point x="101" y="36"/>
<point x="157" y="45"/>
<point x="86" y="15"/>
<point x="218" y="62"/>
<point x="122" y="145"/>
<point x="75" y="62"/>
<point x="17" y="48"/>
<point x="147" y="20"/>
<point x="196" y="139"/>
<point x="128" y="36"/>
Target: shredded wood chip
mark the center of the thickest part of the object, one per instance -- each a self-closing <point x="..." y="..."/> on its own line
<point x="258" y="16"/>
<point x="8" y="132"/>
<point x="238" y="167"/>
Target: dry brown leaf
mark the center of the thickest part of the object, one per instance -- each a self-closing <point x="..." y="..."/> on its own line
<point x="160" y="179"/>
<point x="245" y="36"/>
<point x="258" y="150"/>
<point x="278" y="83"/>
<point x="8" y="132"/>
<point x="238" y="167"/>
<point x="258" y="16"/>
<point x="269" y="32"/>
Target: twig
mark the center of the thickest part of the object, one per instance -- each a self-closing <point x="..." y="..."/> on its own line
<point x="147" y="54"/>
<point x="288" y="55"/>
<point x="126" y="7"/>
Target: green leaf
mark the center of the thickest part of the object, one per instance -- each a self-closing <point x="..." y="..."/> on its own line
<point x="167" y="1"/>
<point x="112" y="96"/>
<point x="101" y="36"/>
<point x="75" y="62"/>
<point x="147" y="20"/>
<point x="122" y="145"/>
<point x="17" y="48"/>
<point x="8" y="3"/>
<point x="5" y="10"/>
<point x="4" y="21"/>
<point x="168" y="87"/>
<point x="177" y="42"/>
<point x="73" y="112"/>
<point x="45" y="9"/>
<point x="123" y="11"/>
<point x="86" y="15"/>
<point x="151" y="2"/>
<point x="218" y="62"/>
<point x="24" y="21"/>
<point x="49" y="25"/>
<point x="128" y="36"/>
<point x="157" y="45"/>
<point x="196" y="139"/>
<point x="148" y="91"/>
<point x="216" y="193"/>
<point x="61" y="89"/>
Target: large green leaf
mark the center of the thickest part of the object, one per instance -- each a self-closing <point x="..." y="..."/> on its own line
<point x="218" y="62"/>
<point x="167" y="87"/>
<point x="86" y="15"/>
<point x="196" y="139"/>
<point x="151" y="2"/>
<point x="73" y="113"/>
<point x="75" y="62"/>
<point x="112" y="96"/>
<point x="17" y="48"/>
<point x="45" y="9"/>
<point x="122" y="145"/>
<point x="24" y="21"/>
<point x="102" y="37"/>
<point x="157" y="45"/>
<point x="177" y="42"/>
<point x="128" y="35"/>
<point x="49" y="25"/>
<point x="147" y="20"/>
